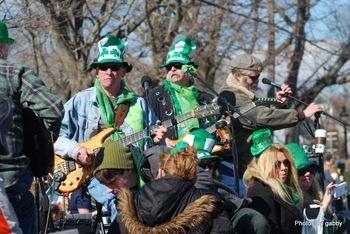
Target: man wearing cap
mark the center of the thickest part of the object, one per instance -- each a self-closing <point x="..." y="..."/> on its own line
<point x="239" y="89"/>
<point x="94" y="109"/>
<point x="23" y="88"/>
<point x="179" y="94"/>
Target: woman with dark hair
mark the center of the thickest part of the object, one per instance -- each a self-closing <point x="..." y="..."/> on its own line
<point x="171" y="203"/>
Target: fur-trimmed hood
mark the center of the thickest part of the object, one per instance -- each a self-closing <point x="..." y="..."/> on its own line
<point x="169" y="205"/>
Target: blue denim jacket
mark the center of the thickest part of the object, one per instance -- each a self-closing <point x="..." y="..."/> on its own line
<point x="79" y="124"/>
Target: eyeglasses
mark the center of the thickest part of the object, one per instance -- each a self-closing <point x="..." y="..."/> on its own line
<point x="113" y="67"/>
<point x="285" y="162"/>
<point x="303" y="171"/>
<point x="171" y="65"/>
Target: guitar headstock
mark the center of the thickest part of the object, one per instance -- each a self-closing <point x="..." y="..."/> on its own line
<point x="206" y="110"/>
<point x="266" y="101"/>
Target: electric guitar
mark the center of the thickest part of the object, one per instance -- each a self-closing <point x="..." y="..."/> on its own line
<point x="76" y="175"/>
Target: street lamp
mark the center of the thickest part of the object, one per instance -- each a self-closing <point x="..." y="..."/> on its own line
<point x="344" y="117"/>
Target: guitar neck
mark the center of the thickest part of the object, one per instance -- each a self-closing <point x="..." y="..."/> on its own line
<point x="127" y="140"/>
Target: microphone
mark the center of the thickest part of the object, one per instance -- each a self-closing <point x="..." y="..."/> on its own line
<point x="146" y="82"/>
<point x="269" y="82"/>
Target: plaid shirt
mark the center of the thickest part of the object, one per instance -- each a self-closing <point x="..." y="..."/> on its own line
<point x="24" y="88"/>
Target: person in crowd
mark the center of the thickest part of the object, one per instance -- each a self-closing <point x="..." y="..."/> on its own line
<point x="240" y="89"/>
<point x="171" y="203"/>
<point x="102" y="106"/>
<point x="244" y="220"/>
<point x="306" y="175"/>
<point x="8" y="218"/>
<point x="179" y="94"/>
<point x="272" y="184"/>
<point x="115" y="168"/>
<point x="79" y="202"/>
<point x="312" y="191"/>
<point x="23" y="89"/>
<point x="347" y="178"/>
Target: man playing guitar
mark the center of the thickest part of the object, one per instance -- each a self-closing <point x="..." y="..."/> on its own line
<point x="96" y="108"/>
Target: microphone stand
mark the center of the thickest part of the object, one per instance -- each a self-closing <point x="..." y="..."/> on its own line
<point x="148" y="141"/>
<point x="306" y="104"/>
<point x="230" y="110"/>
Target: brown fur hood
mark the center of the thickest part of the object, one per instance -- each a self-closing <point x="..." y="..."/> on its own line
<point x="193" y="215"/>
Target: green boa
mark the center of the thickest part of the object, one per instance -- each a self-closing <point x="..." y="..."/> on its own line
<point x="107" y="108"/>
<point x="185" y="100"/>
<point x="292" y="194"/>
<point x="171" y="88"/>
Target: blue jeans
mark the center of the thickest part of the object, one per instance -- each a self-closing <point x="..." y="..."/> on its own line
<point x="22" y="201"/>
<point x="226" y="176"/>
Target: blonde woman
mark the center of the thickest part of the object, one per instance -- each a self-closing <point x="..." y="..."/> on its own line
<point x="171" y="203"/>
<point x="272" y="183"/>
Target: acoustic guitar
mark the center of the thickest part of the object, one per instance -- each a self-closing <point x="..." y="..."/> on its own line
<point x="77" y="175"/>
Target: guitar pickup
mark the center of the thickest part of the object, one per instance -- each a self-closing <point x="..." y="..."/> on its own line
<point x="70" y="165"/>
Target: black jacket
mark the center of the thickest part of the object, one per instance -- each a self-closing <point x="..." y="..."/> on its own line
<point x="281" y="215"/>
<point x="172" y="205"/>
<point x="232" y="202"/>
<point x="161" y="102"/>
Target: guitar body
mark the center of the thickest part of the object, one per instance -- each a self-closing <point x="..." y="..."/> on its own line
<point x="76" y="174"/>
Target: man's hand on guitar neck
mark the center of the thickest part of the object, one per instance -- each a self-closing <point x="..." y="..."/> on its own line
<point x="85" y="156"/>
<point x="159" y="133"/>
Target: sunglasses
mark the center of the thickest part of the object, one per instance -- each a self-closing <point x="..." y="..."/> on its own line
<point x="254" y="77"/>
<point x="171" y="65"/>
<point x="285" y="162"/>
<point x="303" y="171"/>
<point x="113" y="67"/>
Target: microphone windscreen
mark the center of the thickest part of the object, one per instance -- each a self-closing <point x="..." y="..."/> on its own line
<point x="229" y="97"/>
<point x="266" y="81"/>
<point x="146" y="79"/>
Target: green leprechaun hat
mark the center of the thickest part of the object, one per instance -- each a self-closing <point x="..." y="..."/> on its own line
<point x="111" y="50"/>
<point x="261" y="140"/>
<point x="181" y="52"/>
<point x="204" y="142"/>
<point x="299" y="156"/>
<point x="4" y="35"/>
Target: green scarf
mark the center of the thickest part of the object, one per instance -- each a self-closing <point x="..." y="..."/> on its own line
<point x="108" y="109"/>
<point x="292" y="194"/>
<point x="185" y="100"/>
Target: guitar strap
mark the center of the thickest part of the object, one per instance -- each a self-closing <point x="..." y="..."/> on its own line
<point x="120" y="114"/>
